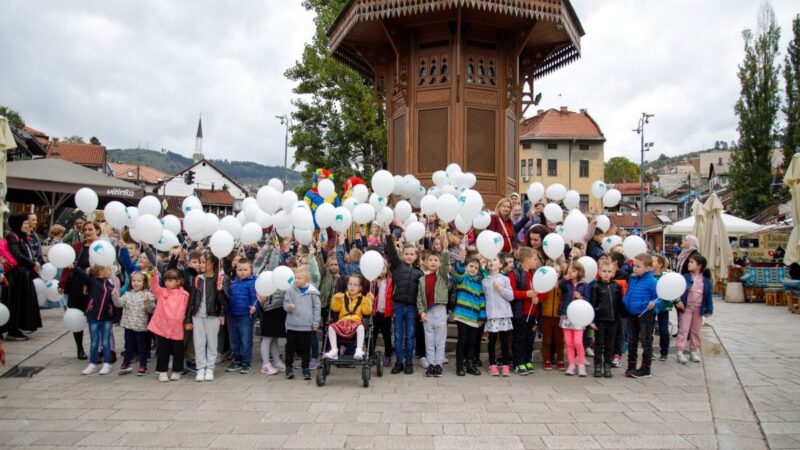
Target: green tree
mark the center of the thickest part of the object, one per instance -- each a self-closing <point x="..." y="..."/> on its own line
<point x="791" y="75"/>
<point x="621" y="170"/>
<point x="757" y="108"/>
<point x="74" y="139"/>
<point x="14" y="119"/>
<point x="338" y="124"/>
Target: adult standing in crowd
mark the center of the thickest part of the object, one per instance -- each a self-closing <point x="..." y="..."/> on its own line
<point x="689" y="246"/>
<point x="20" y="294"/>
<point x="503" y="224"/>
<point x="33" y="238"/>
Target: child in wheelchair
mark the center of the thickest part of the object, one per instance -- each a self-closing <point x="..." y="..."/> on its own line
<point x="351" y="307"/>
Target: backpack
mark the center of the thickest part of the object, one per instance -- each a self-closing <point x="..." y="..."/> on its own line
<point x="7" y="259"/>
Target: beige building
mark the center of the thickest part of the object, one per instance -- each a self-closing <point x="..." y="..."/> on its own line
<point x="562" y="146"/>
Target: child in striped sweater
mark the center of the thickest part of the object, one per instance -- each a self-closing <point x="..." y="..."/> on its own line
<point x="469" y="313"/>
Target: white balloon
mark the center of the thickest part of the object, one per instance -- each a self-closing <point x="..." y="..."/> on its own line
<point x="5" y="314"/>
<point x="264" y="285"/>
<point x="191" y="203"/>
<point x="489" y="244"/>
<point x="350" y="204"/>
<point x="610" y="242"/>
<point x="149" y="205"/>
<point x="131" y="215"/>
<point x="74" y="319"/>
<point x="302" y="218"/>
<point x="288" y="198"/>
<point x="285" y="232"/>
<point x="378" y="201"/>
<point x="364" y="214"/>
<point x="383" y="183"/>
<point x="599" y="189"/>
<point x="248" y="202"/>
<point x="232" y="226"/>
<point x="251" y="233"/>
<point x="556" y="192"/>
<point x="671" y="286"/>
<point x="304" y="237"/>
<point x="561" y="230"/>
<point x="86" y="200"/>
<point x="633" y="246"/>
<point x="149" y="229"/>
<point x="471" y="203"/>
<point x="411" y="219"/>
<point x="399" y="185"/>
<point x="283" y="278"/>
<point x="447" y="207"/>
<point x="462" y="225"/>
<point x="194" y="221"/>
<point x="572" y="200"/>
<point x="171" y="223"/>
<point x="114" y="214"/>
<point x="428" y="204"/>
<point x="61" y="255"/>
<point x="251" y="212"/>
<point x="471" y="179"/>
<point x="553" y="213"/>
<point x="449" y="189"/>
<point x="589" y="267"/>
<point x="41" y="294"/>
<point x="276" y="184"/>
<point x="241" y="218"/>
<point x="439" y="178"/>
<point x="134" y="235"/>
<point x="51" y="291"/>
<point x="482" y="220"/>
<point x="341" y="219"/>
<point x="48" y="272"/>
<point x="282" y="220"/>
<point x="268" y="199"/>
<point x="535" y="192"/>
<point x="412" y="186"/>
<point x="576" y="226"/>
<point x="324" y="215"/>
<point x="385" y="216"/>
<point x="371" y="264"/>
<point x="611" y="198"/>
<point x="415" y="231"/>
<point x="452" y="170"/>
<point x="167" y="242"/>
<point x="545" y="279"/>
<point x="580" y="313"/>
<point x="326" y="188"/>
<point x="402" y="210"/>
<point x="221" y="243"/>
<point x="361" y="193"/>
<point x="264" y="219"/>
<point x="102" y="253"/>
<point x="212" y="224"/>
<point x="553" y="246"/>
<point x="603" y="222"/>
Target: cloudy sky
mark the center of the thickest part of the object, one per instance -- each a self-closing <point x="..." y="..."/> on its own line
<point x="140" y="72"/>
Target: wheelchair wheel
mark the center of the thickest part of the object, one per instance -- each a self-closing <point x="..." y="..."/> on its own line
<point x="365" y="375"/>
<point x="379" y="363"/>
<point x="321" y="376"/>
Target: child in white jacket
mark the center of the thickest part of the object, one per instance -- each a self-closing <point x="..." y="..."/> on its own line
<point x="499" y="295"/>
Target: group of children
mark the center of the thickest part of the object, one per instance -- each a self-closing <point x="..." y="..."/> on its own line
<point x="196" y="307"/>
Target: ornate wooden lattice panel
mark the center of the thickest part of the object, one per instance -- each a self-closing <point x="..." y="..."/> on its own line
<point x="432" y="139"/>
<point x="399" y="144"/>
<point x="433" y="70"/>
<point x="511" y="157"/>
<point x="481" y="70"/>
<point x="481" y="140"/>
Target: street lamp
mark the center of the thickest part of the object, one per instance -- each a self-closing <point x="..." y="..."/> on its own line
<point x="645" y="119"/>
<point x="285" y="120"/>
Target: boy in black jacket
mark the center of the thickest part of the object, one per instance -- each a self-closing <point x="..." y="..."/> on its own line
<point x="605" y="295"/>
<point x="405" y="284"/>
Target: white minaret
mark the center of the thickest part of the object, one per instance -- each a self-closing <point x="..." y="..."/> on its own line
<point x="198" y="143"/>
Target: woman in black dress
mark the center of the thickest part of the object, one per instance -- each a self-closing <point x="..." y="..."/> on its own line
<point x="20" y="294"/>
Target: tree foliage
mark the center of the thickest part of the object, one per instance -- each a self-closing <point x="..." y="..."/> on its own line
<point x="757" y="109"/>
<point x="621" y="170"/>
<point x="74" y="139"/>
<point x="338" y="125"/>
<point x="791" y="75"/>
<point x="14" y="119"/>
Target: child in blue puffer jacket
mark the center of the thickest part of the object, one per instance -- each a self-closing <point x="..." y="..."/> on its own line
<point x="242" y="308"/>
<point x="640" y="302"/>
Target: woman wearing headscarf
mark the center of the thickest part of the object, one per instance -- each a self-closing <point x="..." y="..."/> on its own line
<point x="20" y="294"/>
<point x="689" y="246"/>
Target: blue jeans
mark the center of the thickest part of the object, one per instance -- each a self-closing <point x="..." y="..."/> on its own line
<point x="662" y="320"/>
<point x="241" y="328"/>
<point x="100" y="334"/>
<point x="404" y="317"/>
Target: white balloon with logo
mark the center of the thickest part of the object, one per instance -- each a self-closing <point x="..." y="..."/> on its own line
<point x="48" y="271"/>
<point x="610" y="242"/>
<point x="489" y="244"/>
<point x="149" y="229"/>
<point x="191" y="203"/>
<point x="447" y="207"/>
<point x="102" y="253"/>
<point x="341" y="219"/>
<point x="283" y="278"/>
<point x="167" y="241"/>
<point x="553" y="213"/>
<point x="482" y="220"/>
<point x="324" y="215"/>
<point x="599" y="189"/>
<point x="553" y="245"/>
<point x="545" y="279"/>
<point x="471" y="204"/>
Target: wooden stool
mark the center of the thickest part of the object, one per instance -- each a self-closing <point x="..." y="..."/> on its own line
<point x="785" y="299"/>
<point x="794" y="304"/>
<point x="770" y="297"/>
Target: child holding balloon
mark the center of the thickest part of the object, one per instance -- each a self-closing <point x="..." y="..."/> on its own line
<point x="137" y="304"/>
<point x="99" y="314"/>
<point x="640" y="303"/>
<point x="605" y="295"/>
<point x="167" y="323"/>
<point x="497" y="288"/>
<point x="571" y="289"/>
<point x="696" y="303"/>
<point x="469" y="313"/>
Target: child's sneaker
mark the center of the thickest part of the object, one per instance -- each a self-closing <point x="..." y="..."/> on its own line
<point x="267" y="369"/>
<point x="191" y="366"/>
<point x="90" y="369"/>
<point x="306" y="374"/>
<point x="163" y="377"/>
<point x="521" y="370"/>
<point x="682" y="358"/>
<point x="570" y="370"/>
<point x="548" y="366"/>
<point x="581" y="370"/>
<point x="313" y="363"/>
<point x="290" y="374"/>
<point x="561" y="366"/>
<point x="438" y="371"/>
<point x="529" y="368"/>
<point x="142" y="371"/>
<point x="695" y="357"/>
<point x="424" y="362"/>
<point x="643" y="372"/>
<point x="209" y="376"/>
<point x="125" y="369"/>
<point x="201" y="375"/>
<point x="617" y="361"/>
<point x="387" y="361"/>
<point x="589" y="352"/>
<point x="235" y="366"/>
<point x="358" y="355"/>
<point x="662" y="358"/>
<point x="106" y="369"/>
<point x="629" y="371"/>
<point x="431" y="371"/>
<point x="279" y="365"/>
<point x="333" y="354"/>
<point x="175" y="376"/>
<point x="493" y="371"/>
<point x="505" y="371"/>
<point x="246" y="369"/>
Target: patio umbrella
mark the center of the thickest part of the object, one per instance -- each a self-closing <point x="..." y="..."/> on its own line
<point x="715" y="245"/>
<point x="699" y="214"/>
<point x="792" y="181"/>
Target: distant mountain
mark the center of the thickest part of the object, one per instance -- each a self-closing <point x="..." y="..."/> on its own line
<point x="672" y="161"/>
<point x="247" y="173"/>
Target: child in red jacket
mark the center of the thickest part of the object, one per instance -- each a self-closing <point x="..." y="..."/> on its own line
<point x="525" y="309"/>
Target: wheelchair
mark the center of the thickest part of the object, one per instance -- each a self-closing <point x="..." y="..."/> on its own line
<point x="346" y="359"/>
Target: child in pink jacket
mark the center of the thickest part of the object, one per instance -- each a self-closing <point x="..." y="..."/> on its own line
<point x="168" y="323"/>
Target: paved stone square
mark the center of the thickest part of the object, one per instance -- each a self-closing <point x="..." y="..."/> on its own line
<point x="745" y="394"/>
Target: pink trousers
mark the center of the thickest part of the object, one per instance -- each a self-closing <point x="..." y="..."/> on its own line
<point x="574" y="341"/>
<point x="690" y="322"/>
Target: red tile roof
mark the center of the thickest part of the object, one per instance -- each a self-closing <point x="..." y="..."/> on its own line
<point x="560" y="124"/>
<point x="216" y="197"/>
<point x="40" y="136"/>
<point x="631" y="188"/>
<point x="84" y="154"/>
<point x="138" y="172"/>
<point x="626" y="220"/>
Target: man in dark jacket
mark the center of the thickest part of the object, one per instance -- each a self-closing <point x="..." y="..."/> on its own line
<point x="405" y="283"/>
<point x="605" y="295"/>
<point x="594" y="248"/>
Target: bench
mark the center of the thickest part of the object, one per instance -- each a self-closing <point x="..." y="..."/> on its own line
<point x="791" y="295"/>
<point x="762" y="283"/>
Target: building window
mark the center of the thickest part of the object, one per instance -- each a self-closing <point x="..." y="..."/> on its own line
<point x="526" y="145"/>
<point x="584" y="146"/>
<point x="538" y="167"/>
<point x="552" y="146"/>
<point x="584" y="169"/>
<point x="552" y="167"/>
<point x="523" y="167"/>
<point x="530" y="167"/>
